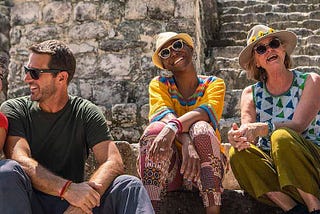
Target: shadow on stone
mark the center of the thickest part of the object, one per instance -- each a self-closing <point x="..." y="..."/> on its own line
<point x="233" y="202"/>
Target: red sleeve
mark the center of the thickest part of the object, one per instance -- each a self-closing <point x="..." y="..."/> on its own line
<point x="3" y="122"/>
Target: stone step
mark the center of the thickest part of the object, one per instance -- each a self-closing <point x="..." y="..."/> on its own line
<point x="289" y="7"/>
<point x="313" y="39"/>
<point x="239" y="3"/>
<point x="267" y="7"/>
<point x="307" y="60"/>
<point x="267" y="17"/>
<point x="227" y="62"/>
<point x="230" y="26"/>
<point x="237" y="36"/>
<point x="233" y="78"/>
<point x="315" y="69"/>
<point x="244" y="3"/>
<point x="257" y="8"/>
<point x="292" y="1"/>
<point x="233" y="202"/>
<point x="226" y="52"/>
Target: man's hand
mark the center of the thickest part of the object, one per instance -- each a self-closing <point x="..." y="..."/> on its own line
<point x="190" y="167"/>
<point x="83" y="195"/>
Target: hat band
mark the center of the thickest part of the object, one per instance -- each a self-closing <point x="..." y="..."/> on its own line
<point x="261" y="34"/>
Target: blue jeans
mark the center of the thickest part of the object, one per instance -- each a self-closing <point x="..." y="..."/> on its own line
<point x="125" y="194"/>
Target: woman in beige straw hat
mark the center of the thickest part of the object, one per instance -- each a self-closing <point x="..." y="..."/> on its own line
<point x="181" y="145"/>
<point x="276" y="150"/>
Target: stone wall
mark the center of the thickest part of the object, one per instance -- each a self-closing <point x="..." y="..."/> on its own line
<point x="113" y="43"/>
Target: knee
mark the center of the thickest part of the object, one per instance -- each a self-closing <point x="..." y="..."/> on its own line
<point x="128" y="181"/>
<point x="204" y="139"/>
<point x="233" y="155"/>
<point x="201" y="128"/>
<point x="281" y="138"/>
<point x="238" y="158"/>
<point x="10" y="171"/>
<point x="154" y="128"/>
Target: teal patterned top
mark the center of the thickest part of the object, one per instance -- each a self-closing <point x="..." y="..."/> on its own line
<point x="281" y="108"/>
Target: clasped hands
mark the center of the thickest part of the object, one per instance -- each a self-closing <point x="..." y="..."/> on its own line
<point x="83" y="197"/>
<point x="241" y="137"/>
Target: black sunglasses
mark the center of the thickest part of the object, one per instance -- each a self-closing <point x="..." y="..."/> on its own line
<point x="35" y="73"/>
<point x="165" y="52"/>
<point x="262" y="48"/>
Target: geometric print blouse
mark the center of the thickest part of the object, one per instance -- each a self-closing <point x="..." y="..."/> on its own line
<point x="282" y="107"/>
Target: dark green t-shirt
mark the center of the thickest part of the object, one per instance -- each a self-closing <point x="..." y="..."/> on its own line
<point x="59" y="141"/>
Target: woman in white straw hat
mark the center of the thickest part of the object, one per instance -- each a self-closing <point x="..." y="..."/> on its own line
<point x="181" y="146"/>
<point x="276" y="150"/>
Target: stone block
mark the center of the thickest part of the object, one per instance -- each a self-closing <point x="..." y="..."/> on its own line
<point x="57" y="12"/>
<point x="233" y="202"/>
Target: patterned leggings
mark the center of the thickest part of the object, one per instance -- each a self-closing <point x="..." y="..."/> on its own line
<point x="163" y="176"/>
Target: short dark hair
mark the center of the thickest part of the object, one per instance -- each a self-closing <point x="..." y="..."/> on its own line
<point x="61" y="56"/>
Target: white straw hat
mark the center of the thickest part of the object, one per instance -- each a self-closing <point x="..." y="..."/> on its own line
<point x="162" y="39"/>
<point x="259" y="32"/>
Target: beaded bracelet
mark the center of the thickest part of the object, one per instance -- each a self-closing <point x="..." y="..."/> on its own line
<point x="178" y="123"/>
<point x="172" y="126"/>
<point x="64" y="189"/>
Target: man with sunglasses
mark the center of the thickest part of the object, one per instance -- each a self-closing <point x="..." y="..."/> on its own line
<point x="49" y="138"/>
<point x="276" y="150"/>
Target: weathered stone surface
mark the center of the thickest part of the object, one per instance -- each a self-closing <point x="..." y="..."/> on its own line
<point x="126" y="114"/>
<point x="85" y="11"/>
<point x="57" y="12"/>
<point x="129" y="154"/>
<point x="29" y="15"/>
<point x="90" y="30"/>
<point x="161" y="10"/>
<point x="112" y="10"/>
<point x="233" y="202"/>
<point x="185" y="9"/>
<point x="41" y="33"/>
<point x="136" y="9"/>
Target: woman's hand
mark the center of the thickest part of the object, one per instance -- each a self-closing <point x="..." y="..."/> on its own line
<point x="237" y="138"/>
<point x="240" y="138"/>
<point x="190" y="167"/>
<point x="162" y="144"/>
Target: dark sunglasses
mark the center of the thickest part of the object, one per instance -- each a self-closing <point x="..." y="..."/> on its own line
<point x="176" y="46"/>
<point x="35" y="73"/>
<point x="262" y="48"/>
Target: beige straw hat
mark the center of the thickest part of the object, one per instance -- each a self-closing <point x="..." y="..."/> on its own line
<point x="162" y="39"/>
<point x="259" y="32"/>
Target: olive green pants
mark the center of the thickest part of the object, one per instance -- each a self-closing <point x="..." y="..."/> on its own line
<point x="294" y="162"/>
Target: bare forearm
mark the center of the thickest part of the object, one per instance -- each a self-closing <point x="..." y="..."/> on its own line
<point x="191" y="117"/>
<point x="106" y="173"/>
<point x="41" y="178"/>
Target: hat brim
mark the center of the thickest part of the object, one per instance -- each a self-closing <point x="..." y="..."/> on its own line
<point x="289" y="39"/>
<point x="185" y="37"/>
